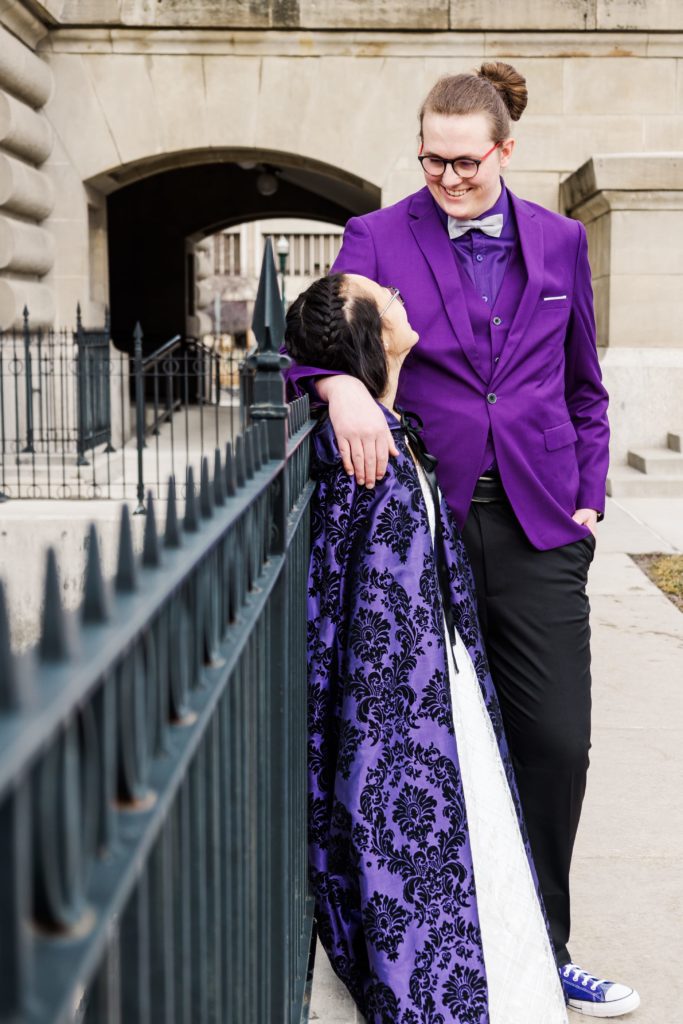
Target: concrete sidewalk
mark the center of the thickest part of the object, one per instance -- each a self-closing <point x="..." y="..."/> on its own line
<point x="628" y="865"/>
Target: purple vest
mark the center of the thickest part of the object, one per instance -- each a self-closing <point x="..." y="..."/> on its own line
<point x="491" y="324"/>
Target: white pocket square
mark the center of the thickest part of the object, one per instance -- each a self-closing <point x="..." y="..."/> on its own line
<point x="553" y="298"/>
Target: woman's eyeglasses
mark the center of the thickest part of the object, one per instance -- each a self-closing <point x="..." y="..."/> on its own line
<point x="463" y="166"/>
<point x="395" y="294"/>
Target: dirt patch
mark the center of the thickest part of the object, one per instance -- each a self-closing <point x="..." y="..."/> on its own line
<point x="666" y="572"/>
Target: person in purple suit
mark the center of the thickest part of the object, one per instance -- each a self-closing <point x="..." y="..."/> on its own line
<point x="507" y="382"/>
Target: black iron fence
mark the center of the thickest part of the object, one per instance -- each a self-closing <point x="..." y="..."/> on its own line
<point x="81" y="419"/>
<point x="93" y="387"/>
<point x="153" y="755"/>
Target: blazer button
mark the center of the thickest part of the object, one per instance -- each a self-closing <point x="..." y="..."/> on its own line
<point x="492" y="399"/>
<point x="497" y="321"/>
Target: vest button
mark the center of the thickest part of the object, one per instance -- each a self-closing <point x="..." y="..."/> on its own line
<point x="497" y="321"/>
<point x="492" y="399"/>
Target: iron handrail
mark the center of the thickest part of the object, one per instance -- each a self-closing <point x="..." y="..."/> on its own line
<point x="168" y="346"/>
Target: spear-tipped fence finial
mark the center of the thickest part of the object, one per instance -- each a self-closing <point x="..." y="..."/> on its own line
<point x="94" y="608"/>
<point x="172" y="534"/>
<point x="125" y="573"/>
<point x="230" y="471"/>
<point x="268" y="322"/>
<point x="256" y="446"/>
<point x="191" y="520"/>
<point x="218" y="479"/>
<point x="249" y="453"/>
<point x="239" y="461"/>
<point x="205" y="491"/>
<point x="151" y="553"/>
<point x="54" y="645"/>
<point x="10" y="694"/>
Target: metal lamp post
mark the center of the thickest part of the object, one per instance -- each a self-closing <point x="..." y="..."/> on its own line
<point x="282" y="249"/>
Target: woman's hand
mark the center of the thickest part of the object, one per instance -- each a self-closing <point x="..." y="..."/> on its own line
<point x="360" y="427"/>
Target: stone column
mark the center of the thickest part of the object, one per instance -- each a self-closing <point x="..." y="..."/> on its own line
<point x="632" y="207"/>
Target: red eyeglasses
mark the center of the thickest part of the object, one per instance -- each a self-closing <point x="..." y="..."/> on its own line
<point x="464" y="166"/>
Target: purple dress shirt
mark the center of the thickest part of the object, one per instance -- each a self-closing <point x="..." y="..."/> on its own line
<point x="483" y="260"/>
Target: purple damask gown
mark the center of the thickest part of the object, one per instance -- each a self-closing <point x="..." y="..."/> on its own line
<point x="390" y="851"/>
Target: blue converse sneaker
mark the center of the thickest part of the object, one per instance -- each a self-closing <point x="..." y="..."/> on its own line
<point x="596" y="997"/>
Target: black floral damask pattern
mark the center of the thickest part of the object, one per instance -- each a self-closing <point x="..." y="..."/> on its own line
<point x="465" y="994"/>
<point x="389" y="854"/>
<point x="385" y="922"/>
<point x="414" y="812"/>
<point x="395" y="528"/>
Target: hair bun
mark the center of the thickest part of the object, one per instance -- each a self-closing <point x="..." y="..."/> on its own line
<point x="509" y="84"/>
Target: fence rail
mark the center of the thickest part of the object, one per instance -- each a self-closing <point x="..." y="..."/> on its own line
<point x="153" y="758"/>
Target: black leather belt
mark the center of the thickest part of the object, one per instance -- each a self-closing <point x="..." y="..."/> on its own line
<point x="489" y="487"/>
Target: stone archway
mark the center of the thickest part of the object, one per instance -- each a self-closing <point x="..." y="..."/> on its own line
<point x="151" y="219"/>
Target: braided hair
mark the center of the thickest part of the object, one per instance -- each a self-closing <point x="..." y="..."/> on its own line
<point x="331" y="328"/>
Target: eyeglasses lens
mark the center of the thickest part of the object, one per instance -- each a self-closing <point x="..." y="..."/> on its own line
<point x="437" y="167"/>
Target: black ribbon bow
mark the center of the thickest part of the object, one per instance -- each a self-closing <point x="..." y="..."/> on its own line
<point x="412" y="427"/>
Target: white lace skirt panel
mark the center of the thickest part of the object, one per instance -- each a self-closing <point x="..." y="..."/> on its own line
<point x="523" y="980"/>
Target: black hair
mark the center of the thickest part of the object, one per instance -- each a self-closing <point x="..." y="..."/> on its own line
<point x="330" y="327"/>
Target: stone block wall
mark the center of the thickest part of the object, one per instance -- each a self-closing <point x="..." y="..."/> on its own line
<point x="396" y="15"/>
<point x="27" y="250"/>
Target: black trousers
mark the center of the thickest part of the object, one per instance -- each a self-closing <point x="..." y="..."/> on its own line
<point x="533" y="611"/>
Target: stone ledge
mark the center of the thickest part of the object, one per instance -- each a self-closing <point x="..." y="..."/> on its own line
<point x="630" y="173"/>
<point x="380" y="43"/>
<point x="542" y="15"/>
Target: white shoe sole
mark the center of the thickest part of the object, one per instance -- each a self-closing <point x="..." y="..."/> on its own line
<point x="616" y="1008"/>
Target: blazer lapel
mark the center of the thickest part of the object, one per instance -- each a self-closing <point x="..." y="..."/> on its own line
<point x="435" y="244"/>
<point x="531" y="242"/>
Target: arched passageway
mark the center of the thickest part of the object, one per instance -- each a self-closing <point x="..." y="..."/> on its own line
<point x="152" y="220"/>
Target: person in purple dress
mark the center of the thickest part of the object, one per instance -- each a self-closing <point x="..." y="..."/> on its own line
<point x="507" y="381"/>
<point x="426" y="895"/>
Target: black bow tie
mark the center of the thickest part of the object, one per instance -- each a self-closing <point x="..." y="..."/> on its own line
<point x="412" y="426"/>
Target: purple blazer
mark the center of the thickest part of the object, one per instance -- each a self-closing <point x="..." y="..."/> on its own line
<point x="544" y="402"/>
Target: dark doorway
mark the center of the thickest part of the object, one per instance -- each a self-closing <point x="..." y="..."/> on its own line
<point x="151" y="220"/>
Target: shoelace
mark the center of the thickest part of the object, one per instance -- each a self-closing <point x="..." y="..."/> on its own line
<point x="583" y="976"/>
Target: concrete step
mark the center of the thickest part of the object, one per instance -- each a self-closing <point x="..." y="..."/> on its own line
<point x="674" y="440"/>
<point x="658" y="461"/>
<point x="627" y="482"/>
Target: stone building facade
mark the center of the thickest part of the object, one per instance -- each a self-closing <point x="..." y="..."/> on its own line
<point x="132" y="129"/>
